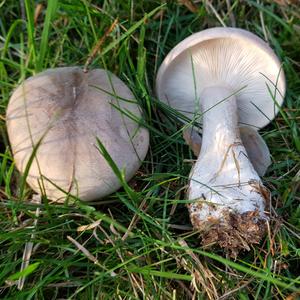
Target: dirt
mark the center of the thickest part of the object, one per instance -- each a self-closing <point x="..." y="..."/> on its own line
<point x="234" y="232"/>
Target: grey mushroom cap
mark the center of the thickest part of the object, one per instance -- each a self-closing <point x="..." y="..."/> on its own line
<point x="230" y="57"/>
<point x="65" y="110"/>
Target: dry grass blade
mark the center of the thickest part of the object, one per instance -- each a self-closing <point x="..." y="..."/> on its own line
<point x="215" y="12"/>
<point x="293" y="296"/>
<point x="136" y="283"/>
<point x="229" y="294"/>
<point x="231" y="15"/>
<point x="98" y="45"/>
<point x="29" y="245"/>
<point x="237" y="165"/>
<point x="86" y="252"/>
<point x="202" y="276"/>
<point x="89" y="226"/>
<point x="263" y="26"/>
<point x="189" y="5"/>
<point x="225" y="157"/>
<point x="134" y="220"/>
<point x="286" y="2"/>
<point x="37" y="12"/>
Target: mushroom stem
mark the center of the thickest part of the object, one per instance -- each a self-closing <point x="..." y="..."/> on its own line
<point x="228" y="193"/>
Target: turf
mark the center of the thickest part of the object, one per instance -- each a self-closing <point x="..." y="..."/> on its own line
<point x="139" y="243"/>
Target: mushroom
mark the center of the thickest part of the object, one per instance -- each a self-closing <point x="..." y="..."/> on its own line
<point x="222" y="78"/>
<point x="257" y="149"/>
<point x="57" y="116"/>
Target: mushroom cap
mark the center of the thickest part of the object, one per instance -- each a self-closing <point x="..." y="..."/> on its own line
<point x="66" y="109"/>
<point x="228" y="57"/>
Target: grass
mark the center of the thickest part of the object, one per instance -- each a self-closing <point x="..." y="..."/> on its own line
<point x="138" y="244"/>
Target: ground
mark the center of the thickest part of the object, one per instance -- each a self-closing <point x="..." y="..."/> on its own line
<point x="138" y="243"/>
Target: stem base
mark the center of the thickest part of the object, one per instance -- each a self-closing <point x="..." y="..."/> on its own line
<point x="233" y="232"/>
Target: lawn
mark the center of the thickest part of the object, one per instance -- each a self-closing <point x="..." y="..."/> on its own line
<point x="138" y="243"/>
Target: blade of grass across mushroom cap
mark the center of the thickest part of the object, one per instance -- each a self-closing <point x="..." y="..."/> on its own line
<point x="228" y="77"/>
<point x="68" y="109"/>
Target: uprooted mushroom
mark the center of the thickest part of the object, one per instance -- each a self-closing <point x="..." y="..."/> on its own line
<point x="222" y="79"/>
<point x="55" y="117"/>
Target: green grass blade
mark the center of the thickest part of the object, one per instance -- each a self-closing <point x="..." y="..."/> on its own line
<point x="24" y="273"/>
<point x="50" y="13"/>
<point x="31" y="30"/>
<point x="131" y="29"/>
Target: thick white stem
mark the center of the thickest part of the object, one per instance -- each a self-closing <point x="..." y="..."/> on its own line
<point x="223" y="180"/>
